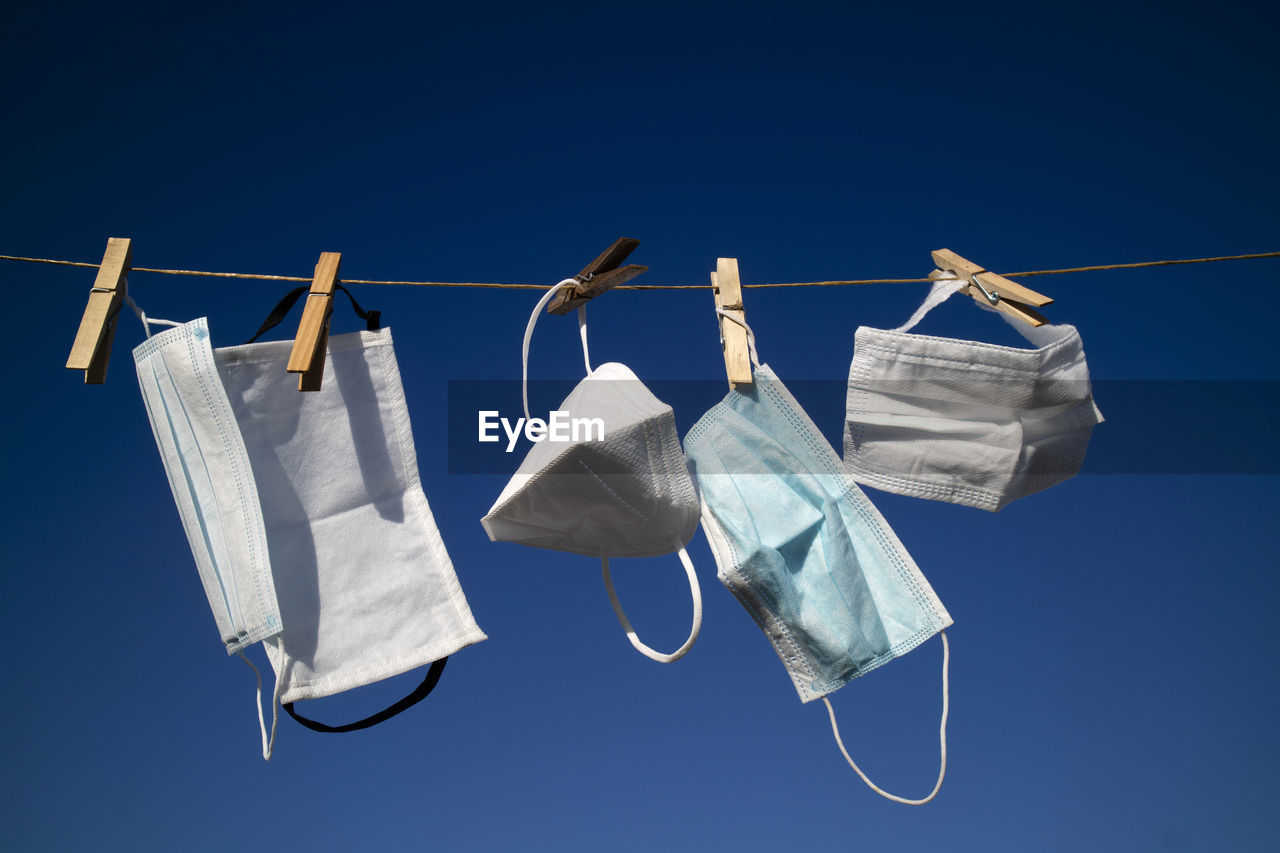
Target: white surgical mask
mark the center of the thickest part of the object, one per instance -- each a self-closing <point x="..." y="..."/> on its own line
<point x="626" y="495"/>
<point x="365" y="587"/>
<point x="963" y="421"/>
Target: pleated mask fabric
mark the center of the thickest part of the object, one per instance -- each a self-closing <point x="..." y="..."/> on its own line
<point x="803" y="550"/>
<point x="209" y="472"/>
<point x="799" y="544"/>
<point x="967" y="422"/>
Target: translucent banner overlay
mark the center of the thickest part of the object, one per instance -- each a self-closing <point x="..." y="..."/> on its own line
<point x="1151" y="427"/>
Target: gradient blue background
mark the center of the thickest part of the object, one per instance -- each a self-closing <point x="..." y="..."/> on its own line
<point x="1115" y="654"/>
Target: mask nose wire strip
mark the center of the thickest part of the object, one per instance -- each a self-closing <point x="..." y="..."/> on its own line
<point x="751" y="336"/>
<point x="942" y="737"/>
<point x="268" y="744"/>
<point x="694" y="590"/>
<point x="528" y="336"/>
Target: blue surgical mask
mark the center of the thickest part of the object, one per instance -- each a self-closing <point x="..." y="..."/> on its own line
<point x="213" y="484"/>
<point x="804" y="550"/>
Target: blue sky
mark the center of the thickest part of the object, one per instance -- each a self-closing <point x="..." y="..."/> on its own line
<point x="1113" y="657"/>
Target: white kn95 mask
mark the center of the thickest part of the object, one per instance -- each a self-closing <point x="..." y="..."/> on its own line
<point x="628" y="494"/>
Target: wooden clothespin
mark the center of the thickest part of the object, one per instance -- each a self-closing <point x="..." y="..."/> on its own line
<point x="994" y="290"/>
<point x="727" y="288"/>
<point x="307" y="356"/>
<point x="92" y="348"/>
<point x="598" y="276"/>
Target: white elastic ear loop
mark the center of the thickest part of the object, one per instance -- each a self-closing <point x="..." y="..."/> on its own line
<point x="942" y="738"/>
<point x="528" y="336"/>
<point x="751" y="336"/>
<point x="694" y="590"/>
<point x="938" y="294"/>
<point x="268" y="744"/>
<point x="946" y="287"/>
<point x="146" y="322"/>
<point x="582" y="332"/>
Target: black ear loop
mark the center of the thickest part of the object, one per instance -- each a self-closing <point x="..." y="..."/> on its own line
<point x="372" y="319"/>
<point x="420" y="692"/>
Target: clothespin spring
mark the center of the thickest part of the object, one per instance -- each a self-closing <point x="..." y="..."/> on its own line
<point x="993" y="296"/>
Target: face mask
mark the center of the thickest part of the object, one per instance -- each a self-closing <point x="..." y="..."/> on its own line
<point x="803" y="550"/>
<point x="365" y="587"/>
<point x="627" y="494"/>
<point x="212" y="480"/>
<point x="967" y="422"/>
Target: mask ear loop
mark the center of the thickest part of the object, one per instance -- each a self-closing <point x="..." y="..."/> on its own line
<point x="146" y="321"/>
<point x="694" y="590"/>
<point x="268" y="743"/>
<point x="582" y="332"/>
<point x="528" y="336"/>
<point x="942" y="738"/>
<point x="941" y="291"/>
<point x="751" y="336"/>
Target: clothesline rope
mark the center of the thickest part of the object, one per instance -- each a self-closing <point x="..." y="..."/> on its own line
<point x="1024" y="274"/>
